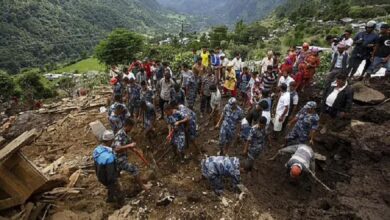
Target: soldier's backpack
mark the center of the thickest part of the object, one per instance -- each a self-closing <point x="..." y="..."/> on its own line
<point x="105" y="165"/>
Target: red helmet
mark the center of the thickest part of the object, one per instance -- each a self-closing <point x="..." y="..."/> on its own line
<point x="295" y="170"/>
<point x="113" y="81"/>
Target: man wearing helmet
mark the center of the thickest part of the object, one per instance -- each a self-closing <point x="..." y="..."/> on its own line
<point x="302" y="160"/>
<point x="364" y="43"/>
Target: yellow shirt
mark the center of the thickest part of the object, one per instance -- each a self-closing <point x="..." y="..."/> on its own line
<point x="205" y="58"/>
<point x="230" y="83"/>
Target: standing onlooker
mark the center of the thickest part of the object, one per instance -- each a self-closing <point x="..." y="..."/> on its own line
<point x="364" y="43"/>
<point x="347" y="41"/>
<point x="381" y="54"/>
<point x="230" y="81"/>
<point x="286" y="79"/>
<point x="269" y="79"/>
<point x="205" y="55"/>
<point x="164" y="88"/>
<point x="244" y="82"/>
<point x="205" y="92"/>
<point x="185" y="74"/>
<point x="237" y="65"/>
<point x="339" y="64"/>
<point x="267" y="61"/>
<point x="282" y="108"/>
<point x="337" y="101"/>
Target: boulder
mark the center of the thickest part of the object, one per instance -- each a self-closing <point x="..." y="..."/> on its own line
<point x="366" y="94"/>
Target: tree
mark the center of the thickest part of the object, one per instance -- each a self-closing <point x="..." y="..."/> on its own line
<point x="67" y="84"/>
<point x="120" y="47"/>
<point x="7" y="87"/>
<point x="33" y="87"/>
<point x="217" y="35"/>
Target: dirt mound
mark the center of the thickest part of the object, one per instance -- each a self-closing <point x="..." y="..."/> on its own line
<point x="357" y="168"/>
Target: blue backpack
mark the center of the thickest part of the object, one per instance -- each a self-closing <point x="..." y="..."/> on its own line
<point x="105" y="165"/>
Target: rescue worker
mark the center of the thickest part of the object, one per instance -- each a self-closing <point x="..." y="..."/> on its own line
<point x="118" y="101"/>
<point x="148" y="113"/>
<point x="191" y="86"/>
<point x="306" y="124"/>
<point x="118" y="117"/>
<point x="177" y="122"/>
<point x="214" y="168"/>
<point x="256" y="141"/>
<point x="302" y="160"/>
<point x="133" y="97"/>
<point x="122" y="143"/>
<point x="231" y="117"/>
<point x="106" y="169"/>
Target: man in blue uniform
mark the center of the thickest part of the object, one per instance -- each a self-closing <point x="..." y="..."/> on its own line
<point x="306" y="124"/>
<point x="216" y="167"/>
<point x="230" y="119"/>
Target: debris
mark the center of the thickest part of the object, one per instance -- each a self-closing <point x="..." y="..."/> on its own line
<point x="19" y="178"/>
<point x="53" y="166"/>
<point x="17" y="143"/>
<point x="224" y="202"/>
<point x="121" y="214"/>
<point x="97" y="128"/>
<point x="73" y="179"/>
<point x="102" y="109"/>
<point x="194" y="197"/>
<point x="366" y="94"/>
<point x="166" y="200"/>
<point x="2" y="140"/>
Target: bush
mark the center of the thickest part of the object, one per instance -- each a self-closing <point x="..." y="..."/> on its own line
<point x="242" y="49"/>
<point x="67" y="84"/>
<point x="179" y="59"/>
<point x="7" y="87"/>
<point x="34" y="86"/>
<point x="323" y="70"/>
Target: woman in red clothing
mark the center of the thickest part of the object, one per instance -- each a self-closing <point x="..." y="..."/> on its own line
<point x="307" y="69"/>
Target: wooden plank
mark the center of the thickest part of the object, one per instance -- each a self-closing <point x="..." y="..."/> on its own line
<point x="17" y="143"/>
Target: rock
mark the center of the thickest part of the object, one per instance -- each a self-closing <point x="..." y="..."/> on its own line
<point x="165" y="201"/>
<point x="121" y="214"/>
<point x="224" y="202"/>
<point x="366" y="94"/>
<point x="266" y="216"/>
<point x="67" y="214"/>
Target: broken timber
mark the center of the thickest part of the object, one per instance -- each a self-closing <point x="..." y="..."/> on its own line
<point x="19" y="178"/>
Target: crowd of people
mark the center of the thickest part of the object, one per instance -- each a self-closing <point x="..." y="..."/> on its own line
<point x="262" y="105"/>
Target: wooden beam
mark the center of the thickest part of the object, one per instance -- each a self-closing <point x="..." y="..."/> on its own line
<point x="16" y="144"/>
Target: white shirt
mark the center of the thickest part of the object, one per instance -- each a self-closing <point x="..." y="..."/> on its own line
<point x="237" y="63"/>
<point x="295" y="99"/>
<point x="184" y="77"/>
<point x="266" y="62"/>
<point x="287" y="80"/>
<point x="348" y="43"/>
<point x="267" y="115"/>
<point x="284" y="101"/>
<point x="333" y="95"/>
<point x="225" y="62"/>
<point x="339" y="61"/>
<point x="215" y="101"/>
<point x="166" y="88"/>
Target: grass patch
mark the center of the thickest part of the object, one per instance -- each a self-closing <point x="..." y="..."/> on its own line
<point x="90" y="64"/>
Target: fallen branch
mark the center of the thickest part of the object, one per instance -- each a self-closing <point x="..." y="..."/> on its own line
<point x="318" y="180"/>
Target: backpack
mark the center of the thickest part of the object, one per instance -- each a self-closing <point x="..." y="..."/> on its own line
<point x="105" y="165"/>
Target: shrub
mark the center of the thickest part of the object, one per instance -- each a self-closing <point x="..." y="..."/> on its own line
<point x="7" y="87"/>
<point x="34" y="86"/>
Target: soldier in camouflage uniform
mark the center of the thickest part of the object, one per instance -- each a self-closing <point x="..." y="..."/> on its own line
<point x="230" y="118"/>
<point x="216" y="167"/>
<point x="177" y="95"/>
<point x="118" y="116"/>
<point x="146" y="92"/>
<point x="134" y="97"/>
<point x="122" y="142"/>
<point x="118" y="101"/>
<point x="256" y="141"/>
<point x="191" y="90"/>
<point x="177" y="121"/>
<point x="306" y="124"/>
<point x="149" y="116"/>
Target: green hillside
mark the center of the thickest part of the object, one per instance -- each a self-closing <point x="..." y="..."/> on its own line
<point x="90" y="64"/>
<point x="38" y="32"/>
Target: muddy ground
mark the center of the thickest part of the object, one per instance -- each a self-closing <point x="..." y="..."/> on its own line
<point x="357" y="169"/>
